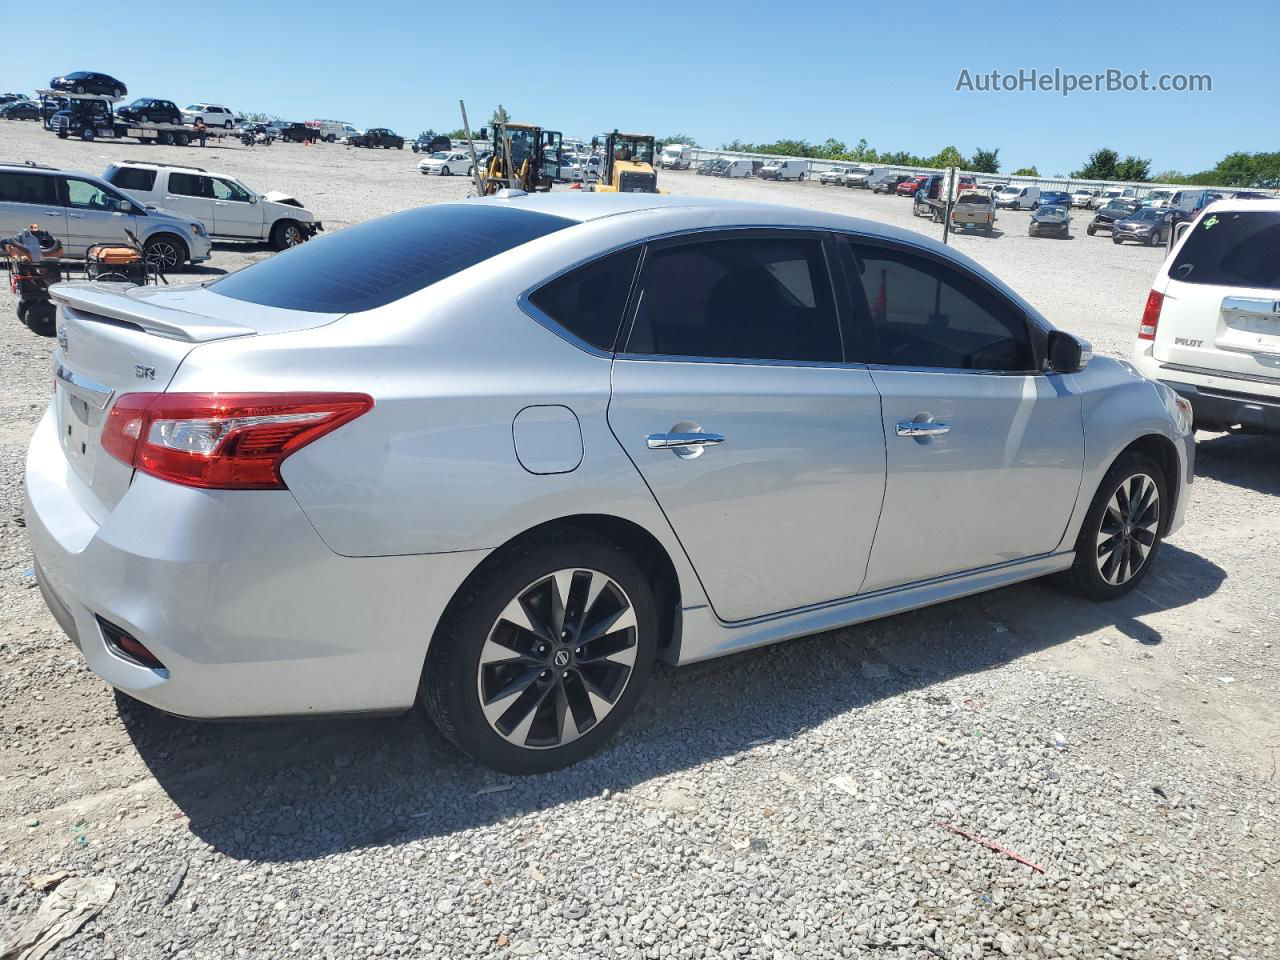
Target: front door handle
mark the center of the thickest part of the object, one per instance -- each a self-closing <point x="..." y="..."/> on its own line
<point x="926" y="428"/>
<point x="668" y="441"/>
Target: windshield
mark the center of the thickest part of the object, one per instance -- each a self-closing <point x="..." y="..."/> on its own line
<point x="636" y="149"/>
<point x="1053" y="211"/>
<point x="440" y="156"/>
<point x="379" y="261"/>
<point x="1146" y="213"/>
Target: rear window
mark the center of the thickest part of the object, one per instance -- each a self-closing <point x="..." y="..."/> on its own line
<point x="132" y="178"/>
<point x="1232" y="250"/>
<point x="375" y="263"/>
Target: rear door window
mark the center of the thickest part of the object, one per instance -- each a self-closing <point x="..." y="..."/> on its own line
<point x="190" y="185"/>
<point x="750" y="298"/>
<point x="377" y="262"/>
<point x="1239" y="249"/>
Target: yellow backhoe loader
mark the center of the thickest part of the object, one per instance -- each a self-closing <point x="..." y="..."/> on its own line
<point x="628" y="163"/>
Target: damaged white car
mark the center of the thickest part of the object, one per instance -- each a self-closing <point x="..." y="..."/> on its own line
<point x="228" y="209"/>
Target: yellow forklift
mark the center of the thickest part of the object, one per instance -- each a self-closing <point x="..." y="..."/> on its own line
<point x="525" y="157"/>
<point x="628" y="163"/>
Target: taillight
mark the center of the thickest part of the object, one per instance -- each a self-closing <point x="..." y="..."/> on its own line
<point x="224" y="441"/>
<point x="1151" y="316"/>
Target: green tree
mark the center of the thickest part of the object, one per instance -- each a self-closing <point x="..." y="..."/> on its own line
<point x="862" y="151"/>
<point x="678" y="138"/>
<point x="500" y="116"/>
<point x="426" y="134"/>
<point x="1101" y="166"/>
<point x="947" y="157"/>
<point x="833" y="149"/>
<point x="985" y="161"/>
<point x="1134" y="169"/>
<point x="259" y="117"/>
<point x="1248" y="170"/>
<point x="1026" y="172"/>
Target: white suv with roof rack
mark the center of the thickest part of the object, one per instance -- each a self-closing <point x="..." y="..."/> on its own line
<point x="229" y="209"/>
<point x="1211" y="325"/>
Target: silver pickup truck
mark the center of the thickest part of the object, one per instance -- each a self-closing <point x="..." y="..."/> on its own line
<point x="974" y="208"/>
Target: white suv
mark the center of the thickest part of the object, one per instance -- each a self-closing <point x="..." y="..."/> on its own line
<point x="213" y="115"/>
<point x="1211" y="327"/>
<point x="228" y="209"/>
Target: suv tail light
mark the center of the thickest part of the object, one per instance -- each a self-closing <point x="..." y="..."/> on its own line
<point x="1151" y="316"/>
<point x="223" y="441"/>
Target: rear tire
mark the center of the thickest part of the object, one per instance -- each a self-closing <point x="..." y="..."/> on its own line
<point x="530" y="579"/>
<point x="1091" y="231"/>
<point x="445" y="171"/>
<point x="1124" y="525"/>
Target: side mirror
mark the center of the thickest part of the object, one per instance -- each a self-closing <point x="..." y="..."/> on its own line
<point x="1067" y="353"/>
<point x="252" y="198"/>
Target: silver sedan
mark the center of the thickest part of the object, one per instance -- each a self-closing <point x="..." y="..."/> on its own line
<point x="509" y="452"/>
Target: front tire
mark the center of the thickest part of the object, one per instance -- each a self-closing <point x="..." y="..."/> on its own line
<point x="541" y="657"/>
<point x="166" y="252"/>
<point x="286" y="234"/>
<point x="445" y="171"/>
<point x="1123" y="529"/>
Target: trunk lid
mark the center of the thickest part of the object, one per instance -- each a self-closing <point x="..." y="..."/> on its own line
<point x="114" y="340"/>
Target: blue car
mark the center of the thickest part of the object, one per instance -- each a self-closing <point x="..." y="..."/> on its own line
<point x="1053" y="198"/>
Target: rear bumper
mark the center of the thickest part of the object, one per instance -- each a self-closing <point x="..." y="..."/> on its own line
<point x="1214" y="406"/>
<point x="250" y="612"/>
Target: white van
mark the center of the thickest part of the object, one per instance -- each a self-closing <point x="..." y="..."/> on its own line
<point x="676" y="156"/>
<point x="1018" y="198"/>
<point x="738" y="168"/>
<point x="784" y="170"/>
<point x="331" y="130"/>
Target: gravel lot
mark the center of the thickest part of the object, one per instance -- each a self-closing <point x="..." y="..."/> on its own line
<point x="784" y="803"/>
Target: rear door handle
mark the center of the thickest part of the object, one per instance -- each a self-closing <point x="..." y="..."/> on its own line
<point x="53" y="213"/>
<point x="927" y="428"/>
<point x="668" y="441"/>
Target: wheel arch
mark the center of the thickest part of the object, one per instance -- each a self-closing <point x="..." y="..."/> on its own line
<point x="1160" y="449"/>
<point x="627" y="535"/>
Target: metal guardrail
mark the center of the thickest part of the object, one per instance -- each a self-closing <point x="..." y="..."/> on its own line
<point x="1067" y="184"/>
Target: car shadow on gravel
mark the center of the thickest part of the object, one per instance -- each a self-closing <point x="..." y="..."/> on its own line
<point x="286" y="791"/>
<point x="1248" y="460"/>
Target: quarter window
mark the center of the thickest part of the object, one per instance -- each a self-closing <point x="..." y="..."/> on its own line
<point x="589" y="301"/>
<point x="926" y="314"/>
<point x="757" y="298"/>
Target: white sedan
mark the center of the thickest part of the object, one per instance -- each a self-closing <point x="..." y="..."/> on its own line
<point x="447" y="163"/>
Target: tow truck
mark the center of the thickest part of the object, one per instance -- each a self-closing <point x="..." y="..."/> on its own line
<point x="91" y="116"/>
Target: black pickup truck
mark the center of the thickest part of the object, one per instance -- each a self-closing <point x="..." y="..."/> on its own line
<point x="378" y="137"/>
<point x="298" y="133"/>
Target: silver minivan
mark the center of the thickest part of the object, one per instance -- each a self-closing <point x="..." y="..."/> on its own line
<point x="80" y="210"/>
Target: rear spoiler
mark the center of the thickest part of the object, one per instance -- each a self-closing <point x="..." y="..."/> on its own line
<point x="110" y="300"/>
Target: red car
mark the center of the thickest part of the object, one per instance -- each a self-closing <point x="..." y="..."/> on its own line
<point x="908" y="188"/>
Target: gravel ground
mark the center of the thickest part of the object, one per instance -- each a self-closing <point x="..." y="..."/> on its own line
<point x="786" y="803"/>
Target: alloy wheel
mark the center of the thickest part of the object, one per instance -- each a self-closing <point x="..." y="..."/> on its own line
<point x="1129" y="528"/>
<point x="164" y="254"/>
<point x="558" y="658"/>
<point x="292" y="236"/>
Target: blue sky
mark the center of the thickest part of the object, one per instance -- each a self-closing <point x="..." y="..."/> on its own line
<point x="755" y="71"/>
